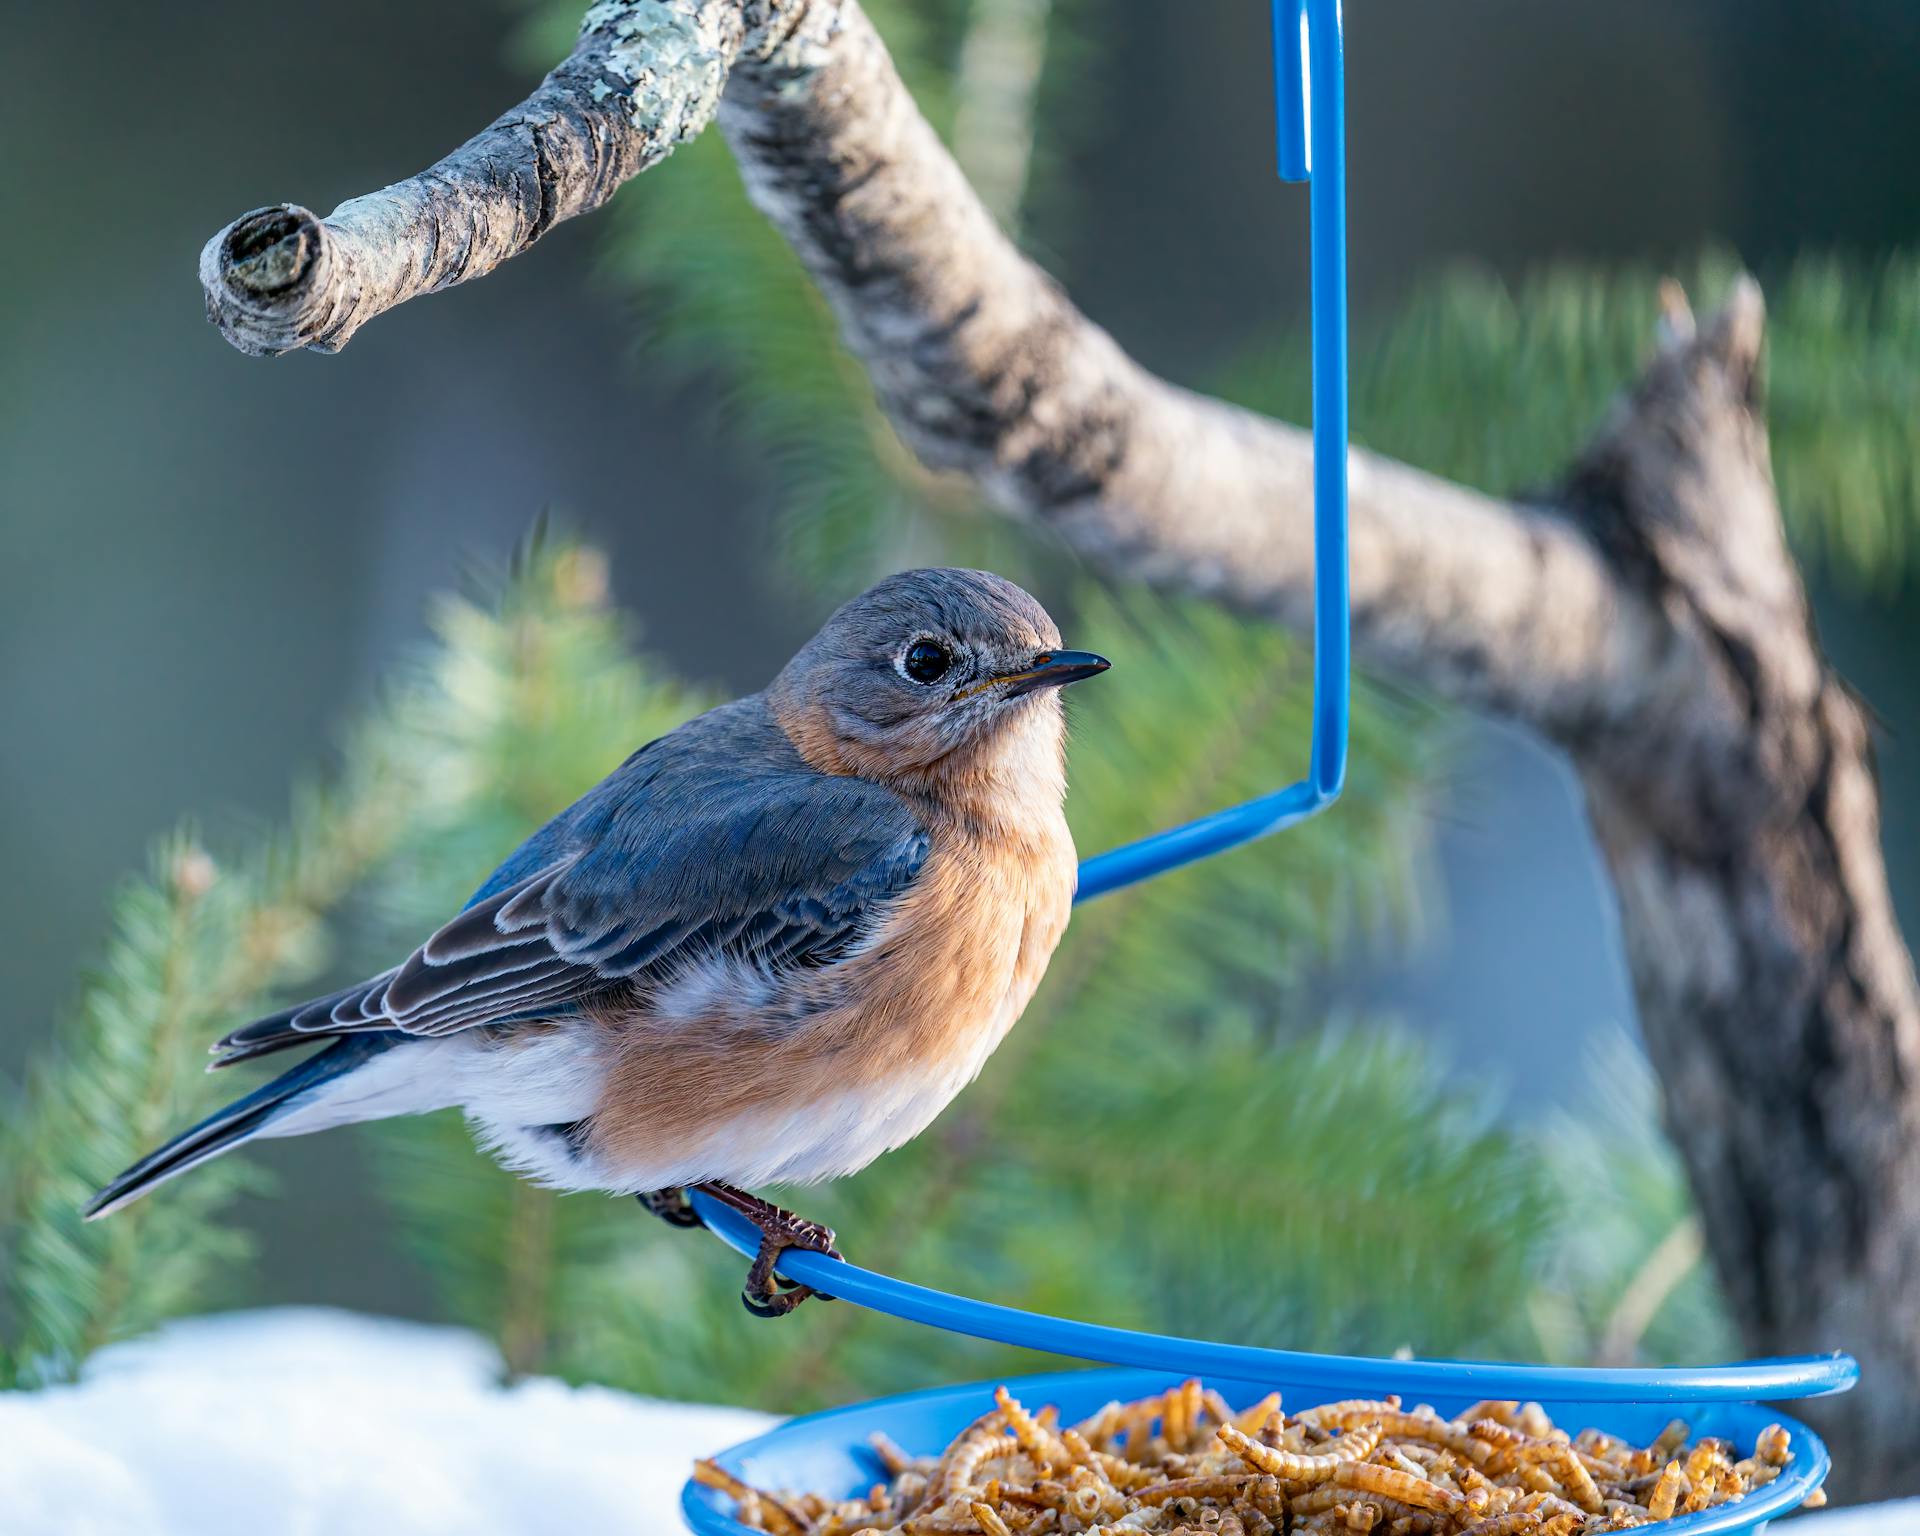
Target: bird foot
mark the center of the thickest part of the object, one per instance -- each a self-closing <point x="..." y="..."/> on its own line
<point x="767" y="1292"/>
<point x="671" y="1205"/>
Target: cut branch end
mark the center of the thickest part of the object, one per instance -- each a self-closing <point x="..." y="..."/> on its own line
<point x="260" y="274"/>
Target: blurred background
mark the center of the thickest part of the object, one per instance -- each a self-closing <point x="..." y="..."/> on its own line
<point x="214" y="566"/>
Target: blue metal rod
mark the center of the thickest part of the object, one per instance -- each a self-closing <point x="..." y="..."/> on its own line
<point x="1758" y="1380"/>
<point x="1311" y="140"/>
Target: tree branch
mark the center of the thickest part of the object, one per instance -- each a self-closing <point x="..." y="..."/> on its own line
<point x="644" y="77"/>
<point x="1647" y="617"/>
<point x="986" y="368"/>
<point x="981" y="362"/>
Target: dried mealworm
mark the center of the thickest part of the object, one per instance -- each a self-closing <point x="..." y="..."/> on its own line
<point x="1221" y="1486"/>
<point x="1519" y="1522"/>
<point x="989" y="1520"/>
<point x="1548" y="1505"/>
<point x="1391" y="1457"/>
<point x="1666" y="1492"/>
<point x="1286" y="1465"/>
<point x="1253" y="1419"/>
<point x="1574" y="1477"/>
<point x="1174" y="1428"/>
<point x="1190" y="1466"/>
<point x="892" y="1459"/>
<point x="1431" y="1428"/>
<point x="774" y="1516"/>
<point x="1035" y="1439"/>
<point x="1366" y="1407"/>
<point x="1217" y="1406"/>
<point x="1100" y="1427"/>
<point x="1395" y="1484"/>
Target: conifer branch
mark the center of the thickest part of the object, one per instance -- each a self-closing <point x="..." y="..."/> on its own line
<point x="523" y="704"/>
<point x="195" y="946"/>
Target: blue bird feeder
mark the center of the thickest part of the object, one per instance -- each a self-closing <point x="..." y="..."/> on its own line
<point x="827" y="1451"/>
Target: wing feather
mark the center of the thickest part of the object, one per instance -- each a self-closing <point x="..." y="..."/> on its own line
<point x="716" y="839"/>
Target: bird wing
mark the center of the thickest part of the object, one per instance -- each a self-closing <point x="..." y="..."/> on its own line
<point x="680" y="854"/>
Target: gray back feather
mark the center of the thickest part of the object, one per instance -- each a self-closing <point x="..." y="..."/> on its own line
<point x="714" y="839"/>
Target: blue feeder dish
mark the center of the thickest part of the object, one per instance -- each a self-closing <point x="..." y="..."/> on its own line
<point x="828" y="1452"/>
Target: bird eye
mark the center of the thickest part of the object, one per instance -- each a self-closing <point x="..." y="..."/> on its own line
<point x="926" y="661"/>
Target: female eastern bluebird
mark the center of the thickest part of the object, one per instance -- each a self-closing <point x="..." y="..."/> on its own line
<point x="767" y="948"/>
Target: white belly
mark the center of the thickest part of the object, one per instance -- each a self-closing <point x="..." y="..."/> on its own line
<point x="517" y="1096"/>
<point x="511" y="1093"/>
<point x="806" y="1144"/>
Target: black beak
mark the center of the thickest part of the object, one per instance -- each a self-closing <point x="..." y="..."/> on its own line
<point x="1053" y="669"/>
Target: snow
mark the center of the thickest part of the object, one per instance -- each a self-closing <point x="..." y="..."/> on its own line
<point x="310" y="1422"/>
<point x="1900" y="1518"/>
<point x="305" y="1422"/>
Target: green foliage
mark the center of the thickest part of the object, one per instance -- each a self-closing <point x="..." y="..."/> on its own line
<point x="119" y="1085"/>
<point x="524" y="703"/>
<point x="528" y="697"/>
<point x="1625" y="1280"/>
<point x="1340" y="1192"/>
<point x="1501" y="386"/>
<point x="194" y="945"/>
<point x="1844" y="382"/>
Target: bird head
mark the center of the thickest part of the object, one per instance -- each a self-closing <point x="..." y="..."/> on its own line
<point x="931" y="672"/>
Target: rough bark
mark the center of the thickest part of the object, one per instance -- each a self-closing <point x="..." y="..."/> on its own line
<point x="644" y="77"/>
<point x="1741" y="823"/>
<point x="1647" y="618"/>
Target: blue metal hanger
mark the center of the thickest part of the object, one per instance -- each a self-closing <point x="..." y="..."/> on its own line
<point x="1308" y="70"/>
<point x="1309" y="81"/>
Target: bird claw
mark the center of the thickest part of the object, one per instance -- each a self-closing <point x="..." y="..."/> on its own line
<point x="769" y="1293"/>
<point x="776" y="1303"/>
<point x="672" y="1206"/>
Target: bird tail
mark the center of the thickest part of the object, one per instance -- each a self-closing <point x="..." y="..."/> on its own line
<point x="242" y="1120"/>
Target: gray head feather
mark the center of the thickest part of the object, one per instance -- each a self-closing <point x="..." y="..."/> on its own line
<point x="864" y="680"/>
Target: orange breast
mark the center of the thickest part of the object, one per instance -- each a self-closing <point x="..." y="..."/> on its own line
<point x="901" y="1026"/>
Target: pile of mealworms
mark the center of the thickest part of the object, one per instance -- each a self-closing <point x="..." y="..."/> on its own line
<point x="1186" y="1464"/>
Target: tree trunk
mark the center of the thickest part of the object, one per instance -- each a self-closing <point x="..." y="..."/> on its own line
<point x="1740" y="822"/>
